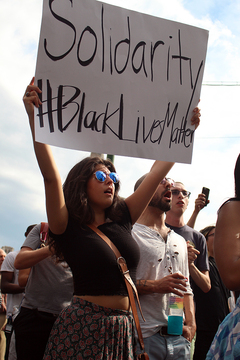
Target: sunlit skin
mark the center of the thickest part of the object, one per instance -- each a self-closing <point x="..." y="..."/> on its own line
<point x="179" y="202"/>
<point x="2" y="256"/>
<point x="100" y="194"/>
<point x="153" y="215"/>
<point x="162" y="195"/>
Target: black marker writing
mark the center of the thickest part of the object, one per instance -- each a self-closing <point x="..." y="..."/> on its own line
<point x="111" y="119"/>
<point x="98" y="44"/>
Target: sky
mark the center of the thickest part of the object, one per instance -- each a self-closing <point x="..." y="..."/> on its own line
<point x="216" y="144"/>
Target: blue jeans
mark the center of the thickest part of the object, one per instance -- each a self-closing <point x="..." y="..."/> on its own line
<point x="168" y="347"/>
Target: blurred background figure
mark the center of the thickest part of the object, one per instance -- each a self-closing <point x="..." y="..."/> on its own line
<point x="48" y="290"/>
<point x="226" y="343"/>
<point x="10" y="286"/>
<point x="3" y="319"/>
<point x="213" y="306"/>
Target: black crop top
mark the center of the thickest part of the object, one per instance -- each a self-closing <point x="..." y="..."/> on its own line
<point x="93" y="263"/>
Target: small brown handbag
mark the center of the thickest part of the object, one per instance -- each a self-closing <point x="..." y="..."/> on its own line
<point x="130" y="287"/>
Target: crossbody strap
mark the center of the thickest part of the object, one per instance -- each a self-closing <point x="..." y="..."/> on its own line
<point x="128" y="281"/>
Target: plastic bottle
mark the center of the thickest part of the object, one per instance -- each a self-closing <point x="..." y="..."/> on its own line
<point x="8" y="327"/>
<point x="175" y="315"/>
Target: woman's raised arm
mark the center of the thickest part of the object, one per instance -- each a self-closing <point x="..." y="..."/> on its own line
<point x="138" y="201"/>
<point x="55" y="204"/>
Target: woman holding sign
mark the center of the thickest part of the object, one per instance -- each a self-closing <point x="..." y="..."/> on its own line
<point x="98" y="324"/>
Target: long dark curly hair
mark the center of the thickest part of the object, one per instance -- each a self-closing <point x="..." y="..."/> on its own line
<point x="75" y="190"/>
<point x="76" y="198"/>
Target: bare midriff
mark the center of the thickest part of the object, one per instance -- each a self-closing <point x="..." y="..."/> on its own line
<point x="113" y="302"/>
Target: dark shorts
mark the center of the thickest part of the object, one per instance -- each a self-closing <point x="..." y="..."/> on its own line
<point x="88" y="331"/>
<point x="32" y="329"/>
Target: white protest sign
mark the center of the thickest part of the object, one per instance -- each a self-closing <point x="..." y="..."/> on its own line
<point x="117" y="81"/>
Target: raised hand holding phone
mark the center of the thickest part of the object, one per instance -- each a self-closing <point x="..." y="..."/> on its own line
<point x="206" y="192"/>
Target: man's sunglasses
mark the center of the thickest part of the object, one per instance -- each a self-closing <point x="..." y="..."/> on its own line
<point x="169" y="180"/>
<point x="185" y="193"/>
<point x="101" y="176"/>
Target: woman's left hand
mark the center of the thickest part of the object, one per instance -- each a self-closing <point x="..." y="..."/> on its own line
<point x="31" y="99"/>
<point x="195" y="120"/>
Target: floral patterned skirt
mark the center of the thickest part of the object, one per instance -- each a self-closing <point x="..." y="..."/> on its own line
<point x="85" y="330"/>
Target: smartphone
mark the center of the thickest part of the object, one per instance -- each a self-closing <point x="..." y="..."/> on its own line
<point x="206" y="192"/>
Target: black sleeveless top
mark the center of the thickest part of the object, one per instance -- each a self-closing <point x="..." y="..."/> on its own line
<point x="93" y="263"/>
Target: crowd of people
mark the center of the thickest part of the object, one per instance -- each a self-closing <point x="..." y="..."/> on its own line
<point x="69" y="299"/>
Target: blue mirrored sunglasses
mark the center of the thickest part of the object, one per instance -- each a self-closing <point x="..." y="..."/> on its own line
<point x="101" y="176"/>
